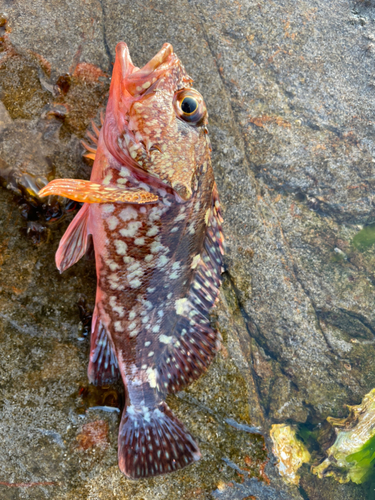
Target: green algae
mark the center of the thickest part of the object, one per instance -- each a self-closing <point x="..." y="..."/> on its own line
<point x="352" y="456"/>
<point x="365" y="462"/>
<point x="365" y="238"/>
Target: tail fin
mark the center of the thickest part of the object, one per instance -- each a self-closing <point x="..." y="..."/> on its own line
<point x="153" y="442"/>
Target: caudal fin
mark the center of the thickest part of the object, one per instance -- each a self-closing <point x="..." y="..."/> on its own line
<point x="153" y="442"/>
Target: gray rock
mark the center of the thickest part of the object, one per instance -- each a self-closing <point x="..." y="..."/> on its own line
<point x="290" y="91"/>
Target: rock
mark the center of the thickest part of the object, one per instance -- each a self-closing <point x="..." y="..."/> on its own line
<point x="290" y="452"/>
<point x="290" y="93"/>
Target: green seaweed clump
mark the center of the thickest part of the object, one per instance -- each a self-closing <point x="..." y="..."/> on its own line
<point x="352" y="456"/>
<point x="365" y="238"/>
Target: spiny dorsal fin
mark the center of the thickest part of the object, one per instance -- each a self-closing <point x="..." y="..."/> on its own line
<point x="94" y="138"/>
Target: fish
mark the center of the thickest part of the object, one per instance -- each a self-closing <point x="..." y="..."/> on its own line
<point x="152" y="210"/>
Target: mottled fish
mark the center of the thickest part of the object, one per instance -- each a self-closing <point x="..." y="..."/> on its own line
<point x="153" y="211"/>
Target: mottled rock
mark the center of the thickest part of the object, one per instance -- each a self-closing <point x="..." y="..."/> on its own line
<point x="290" y="92"/>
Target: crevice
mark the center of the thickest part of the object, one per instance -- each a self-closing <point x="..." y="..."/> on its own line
<point x="247" y="322"/>
<point x="228" y="93"/>
<point x="316" y="311"/>
<point x="104" y="31"/>
<point x="360" y="318"/>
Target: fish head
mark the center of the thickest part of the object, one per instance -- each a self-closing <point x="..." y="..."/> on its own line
<point x="156" y="123"/>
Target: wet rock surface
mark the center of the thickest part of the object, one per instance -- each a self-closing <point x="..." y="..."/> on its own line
<point x="290" y="92"/>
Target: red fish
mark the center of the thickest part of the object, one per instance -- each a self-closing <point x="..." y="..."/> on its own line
<point x="152" y="209"/>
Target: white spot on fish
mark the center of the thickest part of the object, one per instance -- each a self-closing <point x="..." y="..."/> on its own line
<point x="157" y="247"/>
<point x="121" y="247"/>
<point x="156" y="329"/>
<point x="151" y="373"/>
<point x="131" y="230"/>
<point x="196" y="261"/>
<point x="147" y="304"/>
<point x="162" y="261"/>
<point x="124" y="172"/>
<point x="132" y="314"/>
<point x="128" y="213"/>
<point x="151" y="353"/>
<point x="139" y="241"/>
<point x="149" y="258"/>
<point x="147" y="343"/>
<point x="113" y="266"/>
<point x="179" y="217"/>
<point x="118" y="326"/>
<point x="144" y="186"/>
<point x="155" y="214"/>
<point x="207" y="216"/>
<point x="107" y="179"/>
<point x="174" y="275"/>
<point x="174" y="229"/>
<point x="119" y="310"/>
<point x="136" y="283"/>
<point x="108" y="209"/>
<point x="112" y="222"/>
<point x="181" y="306"/>
<point x="134" y="266"/>
<point x="164" y="339"/>
<point x="153" y="231"/>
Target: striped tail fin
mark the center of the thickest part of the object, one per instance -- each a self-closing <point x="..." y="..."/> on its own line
<point x="153" y="442"/>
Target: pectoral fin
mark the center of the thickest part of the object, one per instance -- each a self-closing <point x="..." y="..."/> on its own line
<point x="73" y="244"/>
<point x="90" y="192"/>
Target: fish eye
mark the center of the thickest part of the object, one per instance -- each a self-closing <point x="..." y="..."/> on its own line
<point x="190" y="107"/>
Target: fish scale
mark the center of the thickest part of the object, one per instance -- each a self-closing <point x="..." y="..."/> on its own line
<point x="153" y="211"/>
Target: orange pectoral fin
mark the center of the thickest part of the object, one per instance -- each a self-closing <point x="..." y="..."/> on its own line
<point x="90" y="192"/>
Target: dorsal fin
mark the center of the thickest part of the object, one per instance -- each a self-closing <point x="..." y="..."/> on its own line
<point x="94" y="138"/>
<point x="195" y="342"/>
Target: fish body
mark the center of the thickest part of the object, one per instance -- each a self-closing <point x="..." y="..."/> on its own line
<point x="153" y="211"/>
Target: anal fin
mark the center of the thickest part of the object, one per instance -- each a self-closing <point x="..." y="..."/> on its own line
<point x="103" y="366"/>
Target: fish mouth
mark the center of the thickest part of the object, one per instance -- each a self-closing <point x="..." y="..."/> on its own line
<point x="137" y="80"/>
